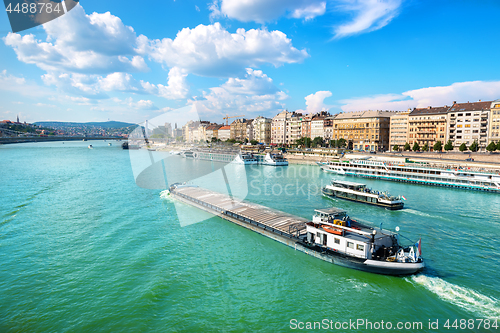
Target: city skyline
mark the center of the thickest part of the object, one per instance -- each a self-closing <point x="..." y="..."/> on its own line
<point x="131" y="62"/>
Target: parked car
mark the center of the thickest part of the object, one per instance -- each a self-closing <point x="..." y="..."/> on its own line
<point x="469" y="159"/>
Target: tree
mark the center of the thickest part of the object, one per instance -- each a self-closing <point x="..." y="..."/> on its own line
<point x="491" y="147"/>
<point x="254" y="142"/>
<point x="416" y="147"/>
<point x="407" y="146"/>
<point x="333" y="143"/>
<point x="498" y="145"/>
<point x="462" y="147"/>
<point x="395" y="148"/>
<point x="307" y="142"/>
<point x="425" y="147"/>
<point x="438" y="146"/>
<point x="341" y="143"/>
<point x="214" y="139"/>
<point x="448" y="146"/>
<point x="318" y="141"/>
<point x="474" y="146"/>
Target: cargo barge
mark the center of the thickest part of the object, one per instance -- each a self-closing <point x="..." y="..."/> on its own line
<point x="331" y="235"/>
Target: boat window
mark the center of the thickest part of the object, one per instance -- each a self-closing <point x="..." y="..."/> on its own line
<point x="350" y="245"/>
<point x="336" y="240"/>
<point x="360" y="247"/>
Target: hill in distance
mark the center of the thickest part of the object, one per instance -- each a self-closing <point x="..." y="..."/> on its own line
<point x="106" y="124"/>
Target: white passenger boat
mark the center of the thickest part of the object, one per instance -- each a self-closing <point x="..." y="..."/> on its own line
<point x="417" y="173"/>
<point x="360" y="193"/>
<point x="274" y="159"/>
<point x="245" y="158"/>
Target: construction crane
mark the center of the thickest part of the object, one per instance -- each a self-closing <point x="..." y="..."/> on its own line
<point x="227" y="117"/>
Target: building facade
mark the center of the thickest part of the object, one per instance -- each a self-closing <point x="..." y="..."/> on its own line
<point x="262" y="130"/>
<point x="363" y="130"/>
<point x="224" y="133"/>
<point x="398" y="130"/>
<point x="293" y="128"/>
<point x="239" y="129"/>
<point x="427" y="126"/>
<point x="494" y="128"/>
<point x="305" y="125"/>
<point x="318" y="125"/>
<point x="278" y="128"/>
<point x="468" y="122"/>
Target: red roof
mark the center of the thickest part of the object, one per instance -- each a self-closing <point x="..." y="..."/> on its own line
<point x="225" y="128"/>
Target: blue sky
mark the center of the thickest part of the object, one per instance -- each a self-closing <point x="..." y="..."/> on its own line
<point x="131" y="61"/>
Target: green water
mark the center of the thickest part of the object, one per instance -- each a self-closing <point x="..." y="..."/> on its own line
<point x="83" y="248"/>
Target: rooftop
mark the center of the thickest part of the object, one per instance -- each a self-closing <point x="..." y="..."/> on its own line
<point x="365" y="114"/>
<point x="476" y="106"/>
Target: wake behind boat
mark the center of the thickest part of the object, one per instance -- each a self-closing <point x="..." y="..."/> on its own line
<point x="360" y="193"/>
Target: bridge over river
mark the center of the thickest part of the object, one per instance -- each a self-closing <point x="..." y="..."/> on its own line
<point x="22" y="139"/>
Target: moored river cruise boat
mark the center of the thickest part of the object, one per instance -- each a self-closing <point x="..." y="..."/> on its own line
<point x="275" y="159"/>
<point x="360" y="193"/>
<point x="245" y="158"/>
<point x="417" y="173"/>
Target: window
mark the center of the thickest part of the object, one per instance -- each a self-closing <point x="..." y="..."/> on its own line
<point x="360" y="247"/>
<point x="350" y="245"/>
<point x="336" y="240"/>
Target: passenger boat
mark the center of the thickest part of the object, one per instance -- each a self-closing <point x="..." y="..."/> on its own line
<point x="360" y="193"/>
<point x="331" y="236"/>
<point x="245" y="158"/>
<point x="275" y="159"/>
<point x="417" y="173"/>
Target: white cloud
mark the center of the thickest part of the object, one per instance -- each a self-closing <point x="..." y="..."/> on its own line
<point x="177" y="87"/>
<point x="369" y="15"/>
<point x="424" y="97"/>
<point x="210" y="50"/>
<point x="96" y="43"/>
<point x="45" y="105"/>
<point x="315" y="102"/>
<point x="253" y="95"/>
<point x="262" y="11"/>
<point x="21" y="86"/>
<point x="95" y="86"/>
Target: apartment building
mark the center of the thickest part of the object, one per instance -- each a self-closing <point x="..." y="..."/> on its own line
<point x="494" y="121"/>
<point x="278" y="127"/>
<point x="365" y="130"/>
<point x="398" y="129"/>
<point x="318" y="124"/>
<point x="427" y="126"/>
<point x="224" y="133"/>
<point x="262" y="130"/>
<point x="468" y="122"/>
<point x="239" y="129"/>
<point x="293" y="127"/>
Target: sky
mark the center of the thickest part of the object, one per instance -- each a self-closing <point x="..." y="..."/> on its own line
<point x="131" y="61"/>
